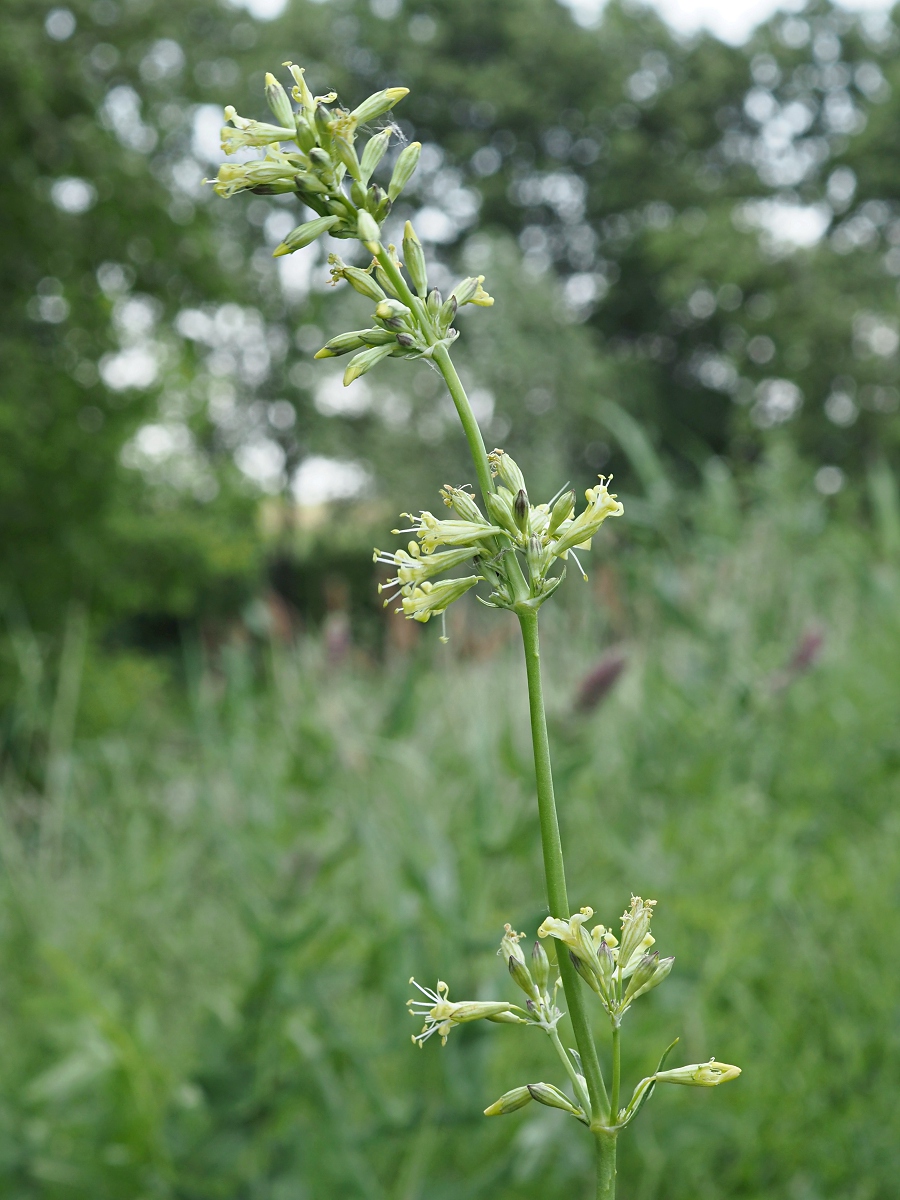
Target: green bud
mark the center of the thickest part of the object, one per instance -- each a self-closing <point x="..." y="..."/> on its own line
<point x="391" y="310"/>
<point x="462" y="503"/>
<point x="306" y="135"/>
<point x="377" y="337"/>
<point x="508" y="470"/>
<point x="346" y="152"/>
<point x="407" y="341"/>
<point x="607" y="966"/>
<point x="403" y="168"/>
<point x="447" y="313"/>
<point x="561" y="511"/>
<point x="374" y="153"/>
<point x="305" y="234"/>
<point x="584" y="970"/>
<point x="709" y="1074"/>
<point x="434" y="302"/>
<point x="358" y="194"/>
<point x="521" y="510"/>
<point x="385" y="280"/>
<point x="342" y="344"/>
<point x="537" y="558"/>
<point x="546" y="1093"/>
<point x="362" y="282"/>
<point x="278" y="102"/>
<point x="500" y="512"/>
<point x="367" y="229"/>
<point x="382" y="212"/>
<point x="374" y="197"/>
<point x="378" y="103"/>
<point x="365" y="361"/>
<point x="509" y="1102"/>
<point x="322" y="121"/>
<point x="540" y="966"/>
<point x="650" y="973"/>
<point x="415" y="260"/>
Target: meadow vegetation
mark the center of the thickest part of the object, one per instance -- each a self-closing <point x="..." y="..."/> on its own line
<point x="211" y="904"/>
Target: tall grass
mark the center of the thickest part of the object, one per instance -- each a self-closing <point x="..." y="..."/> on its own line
<point x="208" y="915"/>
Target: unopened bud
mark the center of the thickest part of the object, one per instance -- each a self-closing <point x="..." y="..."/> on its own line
<point x="382" y="212"/>
<point x="540" y="966"/>
<point x="509" y="1102"/>
<point x="367" y="230"/>
<point x="585" y="972"/>
<point x="650" y="973"/>
<point x="346" y="152"/>
<point x="344" y="343"/>
<point x="391" y="310"/>
<point x="447" y="313"/>
<point x="377" y="337"/>
<point x="365" y="361"/>
<point x="278" y="102"/>
<point x="434" y="302"/>
<point x="403" y="168"/>
<point x="520" y="510"/>
<point x="406" y="340"/>
<point x="374" y="153"/>
<point x="462" y="503"/>
<point x="414" y="257"/>
<point x="500" y="511"/>
<point x="508" y="470"/>
<point x="709" y="1074"/>
<point x="323" y="125"/>
<point x="378" y="104"/>
<point x="561" y="511"/>
<point x="304" y="235"/>
<point x="362" y="282"/>
<point x="546" y="1093"/>
<point x="374" y="197"/>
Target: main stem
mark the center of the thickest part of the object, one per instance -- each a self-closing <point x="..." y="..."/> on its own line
<point x="551" y="844"/>
<point x="554" y="866"/>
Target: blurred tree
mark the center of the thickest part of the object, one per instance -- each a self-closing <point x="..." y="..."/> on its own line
<point x="714" y="232"/>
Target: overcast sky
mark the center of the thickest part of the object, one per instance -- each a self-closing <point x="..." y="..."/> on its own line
<point x="731" y="20"/>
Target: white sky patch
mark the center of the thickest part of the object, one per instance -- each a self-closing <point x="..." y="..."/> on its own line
<point x="319" y="479"/>
<point x="263" y="10"/>
<point x="733" y="21"/>
<point x="783" y="225"/>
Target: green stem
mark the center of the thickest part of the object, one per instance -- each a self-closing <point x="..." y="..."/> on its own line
<point x="554" y="866"/>
<point x="577" y="1082"/>
<point x="616" y="1076"/>
<point x="605" y="1144"/>
<point x="442" y="361"/>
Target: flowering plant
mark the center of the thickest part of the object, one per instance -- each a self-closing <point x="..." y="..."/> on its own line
<point x="520" y="550"/>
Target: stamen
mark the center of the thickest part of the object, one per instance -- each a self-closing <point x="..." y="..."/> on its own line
<point x="564" y="488"/>
<point x="579" y="566"/>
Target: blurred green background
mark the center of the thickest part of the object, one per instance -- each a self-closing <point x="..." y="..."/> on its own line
<point x="239" y="805"/>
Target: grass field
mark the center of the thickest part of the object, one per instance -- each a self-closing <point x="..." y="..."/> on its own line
<point x="212" y="899"/>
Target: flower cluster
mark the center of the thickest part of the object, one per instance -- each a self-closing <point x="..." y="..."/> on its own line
<point x="320" y="158"/>
<point x="618" y="969"/>
<point x="399" y="332"/>
<point x="542" y="533"/>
